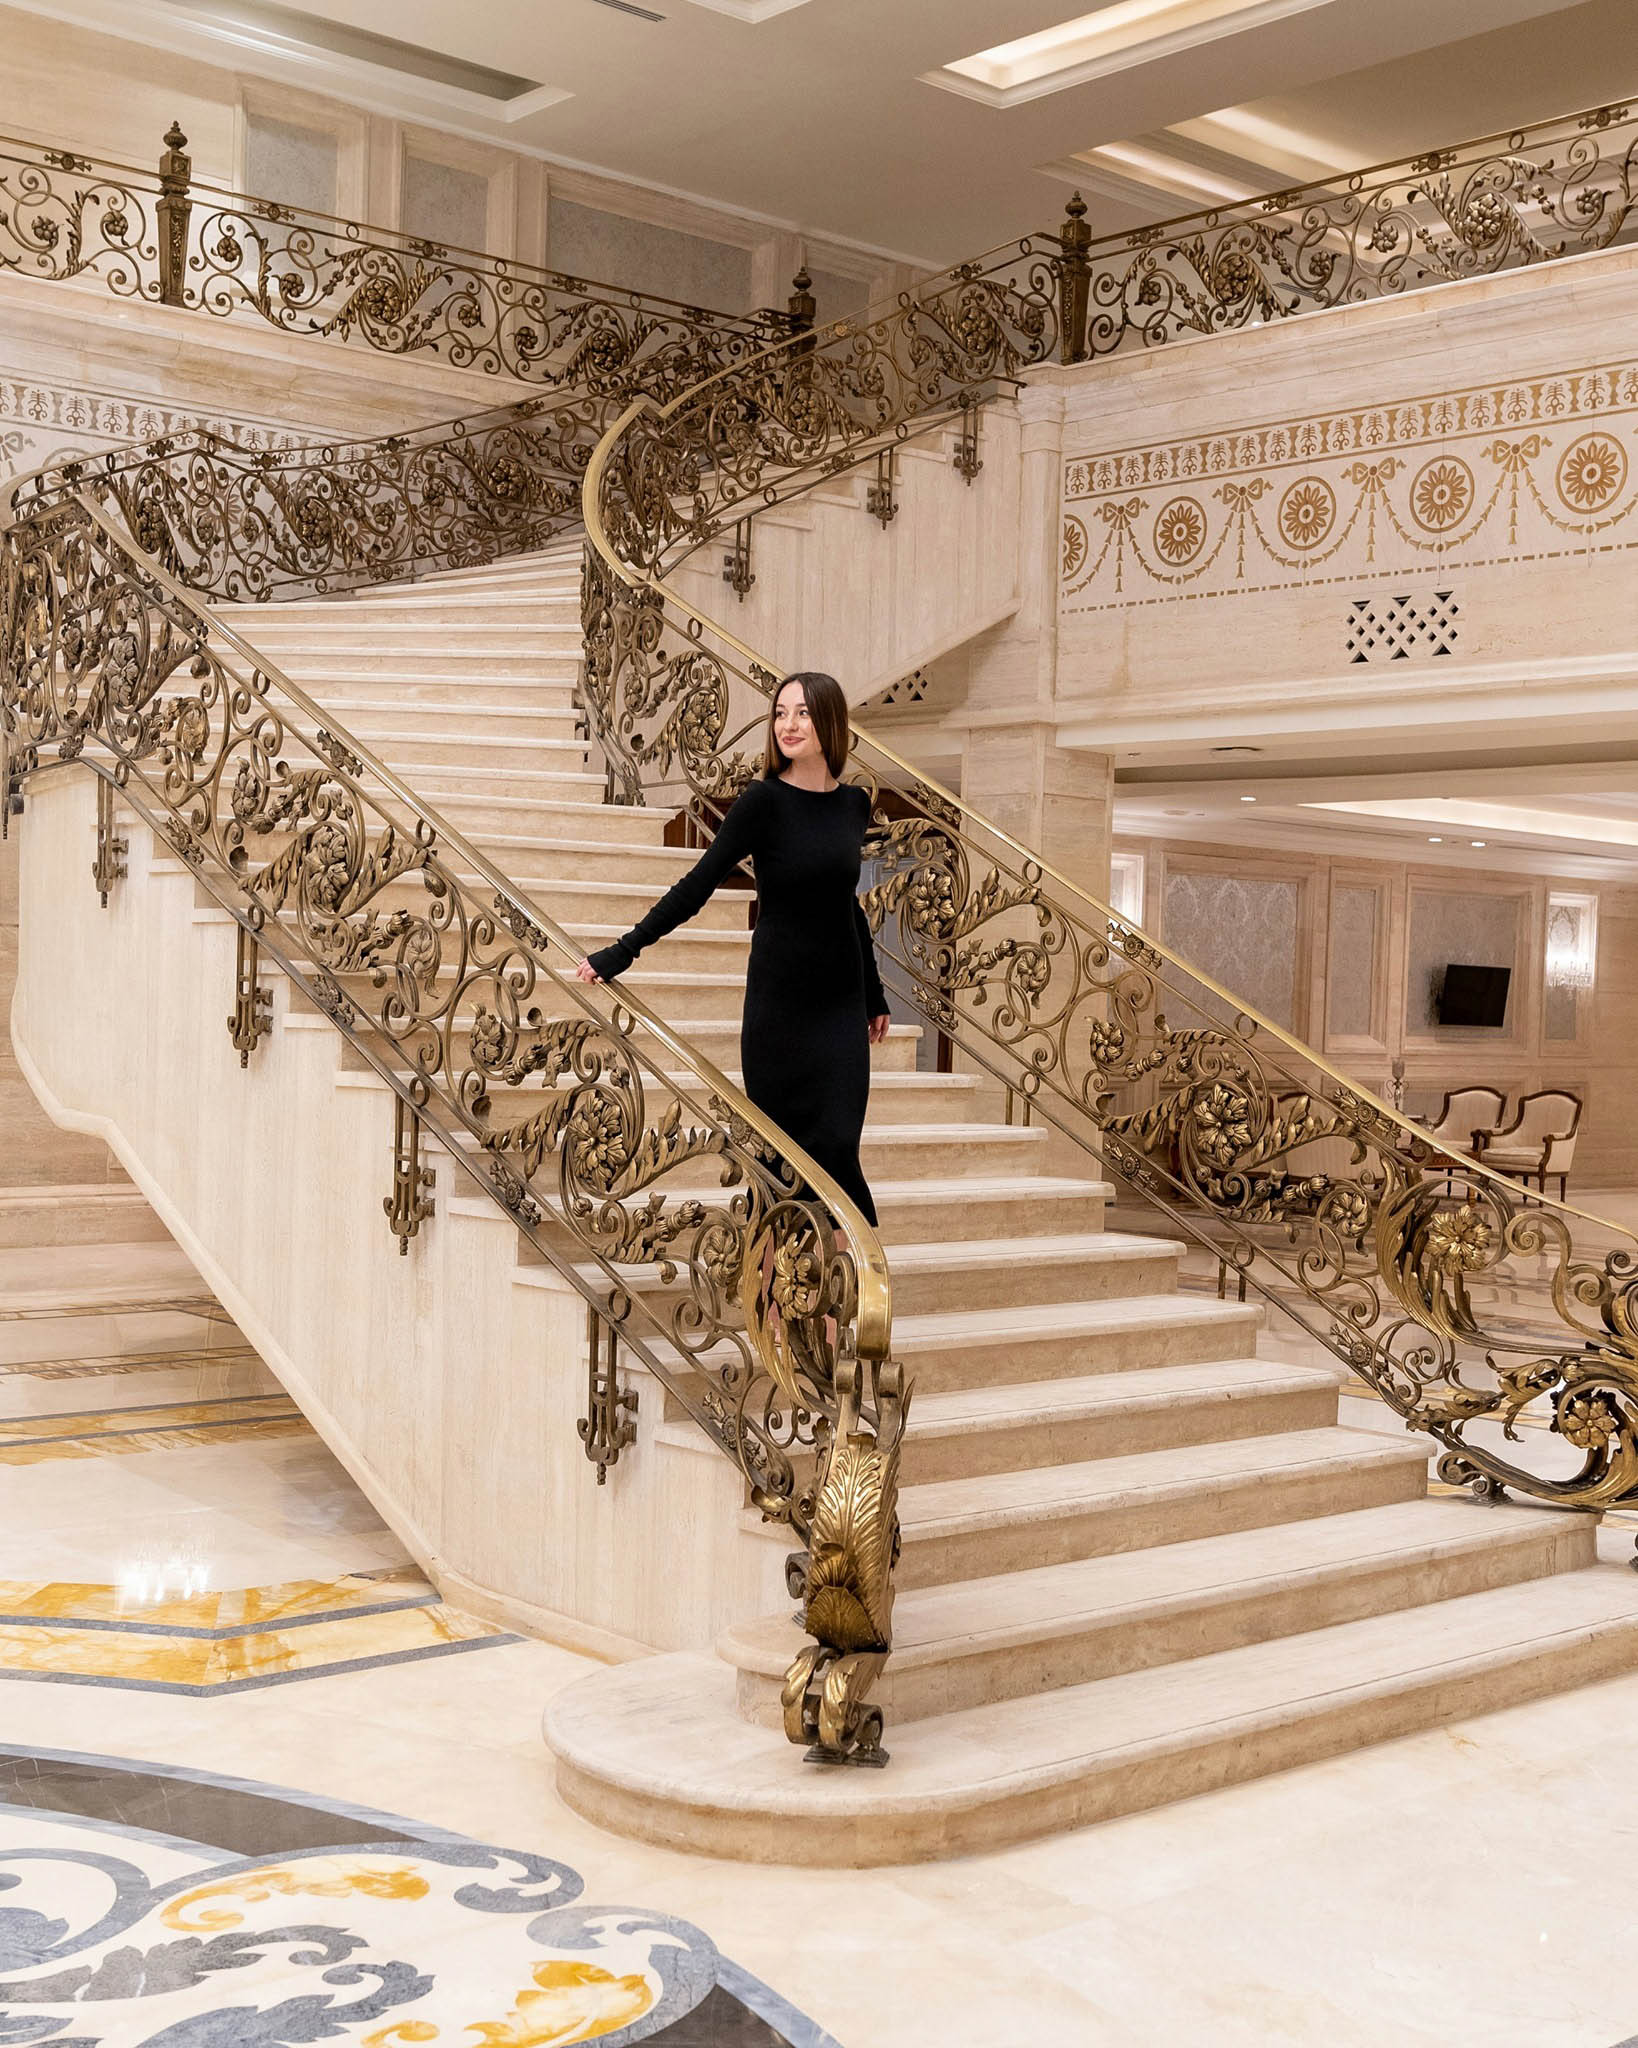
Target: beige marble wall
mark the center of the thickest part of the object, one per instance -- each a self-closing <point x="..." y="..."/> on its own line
<point x="1256" y="526"/>
<point x="1360" y="978"/>
<point x="271" y="1179"/>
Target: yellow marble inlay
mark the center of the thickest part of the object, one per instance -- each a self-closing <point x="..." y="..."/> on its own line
<point x="41" y="1439"/>
<point x="114" y="1654"/>
<point x="574" y="2002"/>
<point x="66" y="1600"/>
<point x="125" y="1362"/>
<point x="191" y="1914"/>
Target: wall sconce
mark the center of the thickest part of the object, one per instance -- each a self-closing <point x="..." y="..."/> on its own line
<point x="1572" y="941"/>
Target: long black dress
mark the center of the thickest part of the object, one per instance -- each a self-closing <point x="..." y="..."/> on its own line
<point x="812" y="981"/>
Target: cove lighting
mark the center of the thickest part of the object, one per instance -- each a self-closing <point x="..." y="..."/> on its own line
<point x="1092" y="45"/>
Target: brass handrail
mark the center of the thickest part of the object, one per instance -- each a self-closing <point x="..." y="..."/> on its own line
<point x="170" y="238"/>
<point x="780" y="1347"/>
<point x="1229" y="1123"/>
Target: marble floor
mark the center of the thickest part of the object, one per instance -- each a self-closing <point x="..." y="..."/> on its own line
<point x="259" y="1784"/>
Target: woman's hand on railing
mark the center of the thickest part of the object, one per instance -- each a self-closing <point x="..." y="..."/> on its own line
<point x="587" y="972"/>
<point x="878" y="1027"/>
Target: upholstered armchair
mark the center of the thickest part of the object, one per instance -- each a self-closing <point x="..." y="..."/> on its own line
<point x="1539" y="1144"/>
<point x="1468" y="1119"/>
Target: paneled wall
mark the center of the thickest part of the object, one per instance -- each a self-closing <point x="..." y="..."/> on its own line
<point x="72" y="88"/>
<point x="1350" y="955"/>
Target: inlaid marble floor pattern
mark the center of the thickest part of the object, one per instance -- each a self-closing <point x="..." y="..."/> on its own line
<point x="225" y="1684"/>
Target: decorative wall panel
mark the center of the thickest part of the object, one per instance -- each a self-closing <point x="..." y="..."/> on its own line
<point x="1351" y="975"/>
<point x="1242" y="931"/>
<point x="1474" y="927"/>
<point x="1495" y="473"/>
<point x="445" y="204"/>
<point x="646" y="258"/>
<point x="297" y="164"/>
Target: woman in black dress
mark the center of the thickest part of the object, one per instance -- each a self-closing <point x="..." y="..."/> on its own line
<point x="813" y="998"/>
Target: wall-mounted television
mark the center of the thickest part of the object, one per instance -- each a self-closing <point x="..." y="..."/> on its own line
<point x="1474" y="996"/>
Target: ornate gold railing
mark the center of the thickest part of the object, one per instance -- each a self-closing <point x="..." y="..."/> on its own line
<point x="1470" y="1307"/>
<point x="1557" y="188"/>
<point x="178" y="242"/>
<point x="245" y="523"/>
<point x="617" y="1150"/>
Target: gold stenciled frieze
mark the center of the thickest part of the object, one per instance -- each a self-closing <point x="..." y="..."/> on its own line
<point x="1483" y="475"/>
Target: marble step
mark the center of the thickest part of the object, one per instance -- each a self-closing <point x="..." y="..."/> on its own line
<point x="459" y="772"/>
<point x="898" y="1098"/>
<point x="1040" y="1338"/>
<point x="546" y="721"/>
<point x="574" y="856"/>
<point x="543" y="689"/>
<point x="1008" y="1521"/>
<point x="343" y="627"/>
<point x="1110" y="1415"/>
<point x="599" y="909"/>
<point x="487" y="820"/>
<point x="655" y="1748"/>
<point x="1065" y="1362"/>
<point x="986" y="1640"/>
<point x="321" y="668"/>
<point x="95" y="1213"/>
<point x="951" y="1276"/>
<point x="923" y="1211"/>
<point x="403" y="738"/>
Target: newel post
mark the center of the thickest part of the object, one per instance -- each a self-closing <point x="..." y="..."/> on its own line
<point x="175" y="174"/>
<point x="1074" y="281"/>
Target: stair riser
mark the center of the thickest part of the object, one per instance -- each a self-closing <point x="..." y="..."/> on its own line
<point x="612" y="911"/>
<point x="546" y="707"/>
<point x="1109" y="1645"/>
<point x="953" y="1369"/>
<point x="492" y="767"/>
<point x="1013" y="1284"/>
<point x="615" y="824"/>
<point x="548" y="779"/>
<point x="128" y="1221"/>
<point x="940" y="1222"/>
<point x="468" y="730"/>
<point x="1168" y="1426"/>
<point x="344" y="671"/>
<point x="1097" y="1530"/>
<point x="651" y="867"/>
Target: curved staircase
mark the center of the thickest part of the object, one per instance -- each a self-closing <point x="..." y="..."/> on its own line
<point x="1138" y="1560"/>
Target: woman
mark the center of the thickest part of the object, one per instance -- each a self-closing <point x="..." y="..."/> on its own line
<point x="813" y="998"/>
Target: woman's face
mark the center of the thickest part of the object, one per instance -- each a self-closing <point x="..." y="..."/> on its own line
<point x="793" y="725"/>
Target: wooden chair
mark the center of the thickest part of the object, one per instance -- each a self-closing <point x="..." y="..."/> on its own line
<point x="1468" y="1119"/>
<point x="1539" y="1144"/>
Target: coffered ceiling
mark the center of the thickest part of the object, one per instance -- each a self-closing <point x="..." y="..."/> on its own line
<point x="922" y="128"/>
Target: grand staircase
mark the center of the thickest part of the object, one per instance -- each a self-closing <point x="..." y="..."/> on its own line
<point x="1139" y="1561"/>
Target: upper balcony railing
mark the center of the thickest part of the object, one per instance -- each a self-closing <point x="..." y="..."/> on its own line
<point x="169" y="239"/>
<point x="1558" y="188"/>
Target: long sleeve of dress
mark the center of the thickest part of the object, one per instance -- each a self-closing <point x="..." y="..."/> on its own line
<point x="875" y="995"/>
<point x="735" y="838"/>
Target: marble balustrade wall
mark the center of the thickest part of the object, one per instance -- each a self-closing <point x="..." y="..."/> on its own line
<point x="1405" y="522"/>
<point x="1347" y="953"/>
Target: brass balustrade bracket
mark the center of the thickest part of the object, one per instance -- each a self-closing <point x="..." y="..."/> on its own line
<point x="967" y="460"/>
<point x="18" y="762"/>
<point x="737" y="572"/>
<point x="606" y="1428"/>
<point x="880" y="502"/>
<point x="409" y="1205"/>
<point x="252" y="1015"/>
<point x="109" y="865"/>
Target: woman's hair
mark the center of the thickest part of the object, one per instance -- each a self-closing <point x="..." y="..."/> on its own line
<point x="827" y="707"/>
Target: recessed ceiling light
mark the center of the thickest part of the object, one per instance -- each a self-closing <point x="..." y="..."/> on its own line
<point x="1248" y="799"/>
<point x="1475" y="842"/>
<point x="1434" y="839"/>
<point x="1093" y="45"/>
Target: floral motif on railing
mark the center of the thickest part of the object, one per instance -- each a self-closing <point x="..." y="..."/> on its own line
<point x="705" y="1243"/>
